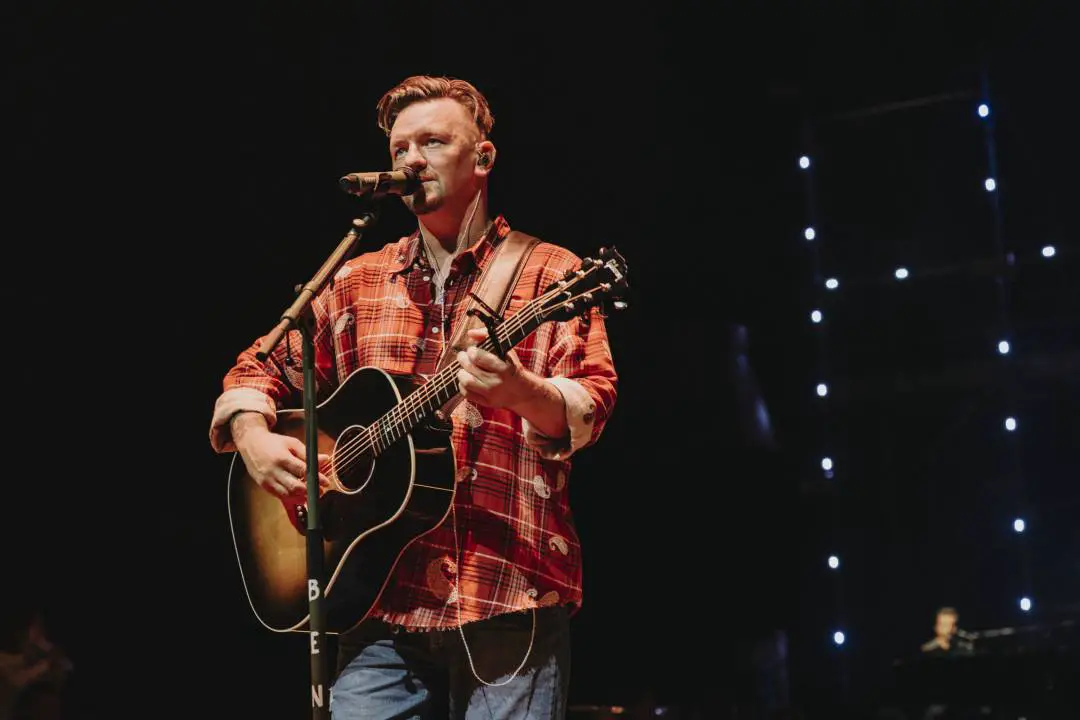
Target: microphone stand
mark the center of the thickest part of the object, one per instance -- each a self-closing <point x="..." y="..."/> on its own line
<point x="300" y="316"/>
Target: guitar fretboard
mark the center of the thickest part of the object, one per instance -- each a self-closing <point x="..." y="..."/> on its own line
<point x="418" y="405"/>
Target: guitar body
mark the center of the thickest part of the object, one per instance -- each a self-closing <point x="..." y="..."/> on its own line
<point x="393" y="473"/>
<point x="380" y="504"/>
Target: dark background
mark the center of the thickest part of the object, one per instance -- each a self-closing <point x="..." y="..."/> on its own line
<point x="172" y="174"/>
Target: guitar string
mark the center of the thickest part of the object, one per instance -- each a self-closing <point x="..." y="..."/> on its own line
<point x="374" y="433"/>
<point x="410" y="404"/>
<point x="370" y="437"/>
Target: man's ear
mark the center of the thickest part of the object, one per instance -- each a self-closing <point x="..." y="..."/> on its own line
<point x="485" y="157"/>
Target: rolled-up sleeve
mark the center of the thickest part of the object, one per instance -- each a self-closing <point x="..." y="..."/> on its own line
<point x="252" y="385"/>
<point x="233" y="401"/>
<point x="582" y="369"/>
<point x="580" y="418"/>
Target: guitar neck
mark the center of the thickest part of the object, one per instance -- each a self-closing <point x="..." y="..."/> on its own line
<point x="422" y="402"/>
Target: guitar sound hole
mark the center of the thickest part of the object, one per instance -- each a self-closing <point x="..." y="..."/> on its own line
<point x="353" y="461"/>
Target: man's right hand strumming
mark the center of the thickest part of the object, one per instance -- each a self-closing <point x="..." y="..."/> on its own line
<point x="278" y="463"/>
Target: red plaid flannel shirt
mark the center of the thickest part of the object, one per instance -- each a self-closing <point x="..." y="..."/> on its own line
<point x="518" y="545"/>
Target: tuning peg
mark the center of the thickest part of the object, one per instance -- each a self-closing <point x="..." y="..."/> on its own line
<point x="619" y="305"/>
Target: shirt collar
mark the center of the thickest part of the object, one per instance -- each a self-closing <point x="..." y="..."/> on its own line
<point x="410" y="256"/>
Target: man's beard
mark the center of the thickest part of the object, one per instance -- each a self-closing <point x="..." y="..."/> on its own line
<point x="424" y="203"/>
<point x="418" y="203"/>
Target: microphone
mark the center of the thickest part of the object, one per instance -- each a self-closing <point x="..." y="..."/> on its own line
<point x="391" y="182"/>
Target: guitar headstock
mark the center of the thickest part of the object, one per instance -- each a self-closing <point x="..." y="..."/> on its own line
<point x="597" y="281"/>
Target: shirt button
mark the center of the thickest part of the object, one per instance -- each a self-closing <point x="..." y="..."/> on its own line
<point x="435" y="330"/>
<point x="541" y="487"/>
<point x="427" y="278"/>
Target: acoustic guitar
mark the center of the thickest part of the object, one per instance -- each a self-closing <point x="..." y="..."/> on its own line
<point x="392" y="471"/>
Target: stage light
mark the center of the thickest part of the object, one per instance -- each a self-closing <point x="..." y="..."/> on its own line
<point x="1004" y="345"/>
<point x="901" y="273"/>
<point x="809" y="233"/>
<point x="804" y="162"/>
<point x="815" y="316"/>
<point x="838" y="637"/>
<point x="832" y="283"/>
<point x="1049" y="251"/>
<point x="834" y="562"/>
<point x="822" y="389"/>
<point x="826" y="463"/>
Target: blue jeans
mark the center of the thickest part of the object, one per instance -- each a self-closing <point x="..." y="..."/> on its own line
<point x="384" y="672"/>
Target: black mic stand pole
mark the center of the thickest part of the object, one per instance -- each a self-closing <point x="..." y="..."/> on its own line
<point x="300" y="316"/>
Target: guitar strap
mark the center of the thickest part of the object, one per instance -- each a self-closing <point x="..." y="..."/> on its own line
<point x="495" y="286"/>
